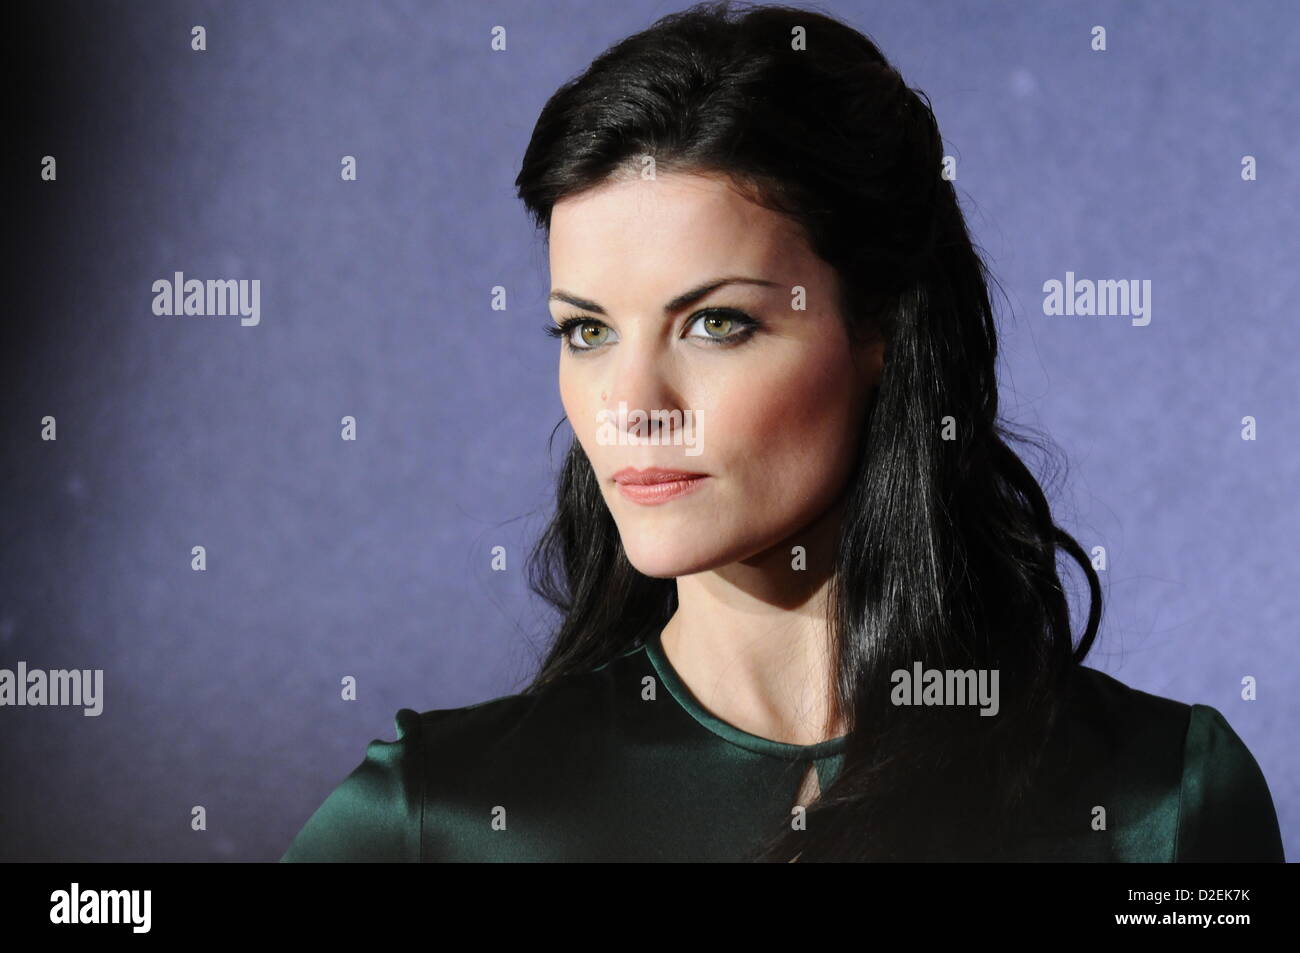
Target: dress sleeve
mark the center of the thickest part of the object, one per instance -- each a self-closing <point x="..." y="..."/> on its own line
<point x="375" y="814"/>
<point x="1226" y="811"/>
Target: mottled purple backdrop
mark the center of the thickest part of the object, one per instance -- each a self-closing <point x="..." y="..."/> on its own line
<point x="328" y="558"/>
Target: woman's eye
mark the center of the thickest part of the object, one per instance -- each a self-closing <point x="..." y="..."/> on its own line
<point x="723" y="326"/>
<point x="713" y="325"/>
<point x="589" y="334"/>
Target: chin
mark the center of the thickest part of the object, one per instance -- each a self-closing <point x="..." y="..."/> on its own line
<point x="670" y="562"/>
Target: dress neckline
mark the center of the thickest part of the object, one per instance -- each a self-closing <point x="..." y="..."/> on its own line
<point x="724" y="729"/>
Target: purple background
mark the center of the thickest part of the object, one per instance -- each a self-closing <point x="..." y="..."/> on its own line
<point x="328" y="558"/>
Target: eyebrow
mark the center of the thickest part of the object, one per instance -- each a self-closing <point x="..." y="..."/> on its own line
<point x="681" y="301"/>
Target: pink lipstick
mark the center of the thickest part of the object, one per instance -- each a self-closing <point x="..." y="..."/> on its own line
<point x="656" y="485"/>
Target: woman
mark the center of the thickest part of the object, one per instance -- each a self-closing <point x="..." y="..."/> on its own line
<point x="810" y="600"/>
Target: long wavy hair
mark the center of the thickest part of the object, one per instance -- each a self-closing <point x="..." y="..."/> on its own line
<point x="947" y="553"/>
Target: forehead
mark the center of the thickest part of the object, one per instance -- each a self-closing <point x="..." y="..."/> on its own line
<point x="656" y="236"/>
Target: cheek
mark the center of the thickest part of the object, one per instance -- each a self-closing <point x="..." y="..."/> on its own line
<point x="568" y="396"/>
<point x="574" y="398"/>
<point x="580" y="408"/>
<point x="797" y="431"/>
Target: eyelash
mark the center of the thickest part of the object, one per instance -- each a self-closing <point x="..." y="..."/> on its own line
<point x="748" y="327"/>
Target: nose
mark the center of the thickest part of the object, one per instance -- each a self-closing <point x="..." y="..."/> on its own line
<point x="642" y="389"/>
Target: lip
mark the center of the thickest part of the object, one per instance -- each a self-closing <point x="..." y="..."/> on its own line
<point x="653" y="475"/>
<point x="655" y="485"/>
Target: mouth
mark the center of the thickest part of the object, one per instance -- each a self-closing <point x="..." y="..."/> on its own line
<point x="656" y="485"/>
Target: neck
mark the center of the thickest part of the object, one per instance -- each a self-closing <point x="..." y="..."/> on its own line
<point x="751" y="643"/>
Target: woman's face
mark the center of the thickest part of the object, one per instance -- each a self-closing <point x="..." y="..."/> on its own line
<point x="774" y="392"/>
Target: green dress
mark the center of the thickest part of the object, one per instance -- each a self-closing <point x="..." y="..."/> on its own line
<point x="624" y="764"/>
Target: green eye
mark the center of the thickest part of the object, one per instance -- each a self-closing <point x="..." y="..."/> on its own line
<point x="716" y="325"/>
<point x="723" y="326"/>
<point x="592" y="334"/>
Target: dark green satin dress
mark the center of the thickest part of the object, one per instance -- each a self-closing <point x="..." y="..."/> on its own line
<point x="624" y="764"/>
